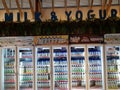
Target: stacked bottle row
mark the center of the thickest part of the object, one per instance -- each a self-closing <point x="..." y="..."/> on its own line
<point x="95" y="67"/>
<point x="78" y="67"/>
<point x="9" y="67"/>
<point x="43" y="68"/>
<point x="113" y="67"/>
<point x="25" y="69"/>
<point x="41" y="53"/>
<point x="60" y="68"/>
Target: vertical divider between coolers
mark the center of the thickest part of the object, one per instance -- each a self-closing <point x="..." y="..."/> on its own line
<point x="104" y="68"/>
<point x="1" y="69"/>
<point x="34" y="73"/>
<point x="51" y="68"/>
<point x="16" y="66"/>
<point x="70" y="73"/>
<point x="87" y="68"/>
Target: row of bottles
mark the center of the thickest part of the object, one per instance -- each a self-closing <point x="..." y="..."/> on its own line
<point x="43" y="52"/>
<point x="78" y="68"/>
<point x="113" y="84"/>
<point x="78" y="83"/>
<point x="25" y="85"/>
<point x="94" y="51"/>
<point x="78" y="76"/>
<point x="43" y="84"/>
<point x="61" y="84"/>
<point x="26" y="78"/>
<point x="43" y="76"/>
<point x="61" y="68"/>
<point x="61" y="76"/>
<point x="113" y="75"/>
<point x="96" y="76"/>
<point x="9" y="86"/>
<point x="43" y="61"/>
<point x="96" y="83"/>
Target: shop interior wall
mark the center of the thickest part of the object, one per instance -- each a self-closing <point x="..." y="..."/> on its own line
<point x="60" y="12"/>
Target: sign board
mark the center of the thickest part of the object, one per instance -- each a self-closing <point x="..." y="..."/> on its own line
<point x="51" y="40"/>
<point x="78" y="39"/>
<point x="16" y="41"/>
<point x="112" y="38"/>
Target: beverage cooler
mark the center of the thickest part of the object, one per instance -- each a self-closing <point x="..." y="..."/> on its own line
<point x="8" y="68"/>
<point x="96" y="73"/>
<point x="60" y="67"/>
<point x="25" y="67"/>
<point x="78" y="69"/>
<point x="112" y="55"/>
<point x="87" y="67"/>
<point x="43" y="67"/>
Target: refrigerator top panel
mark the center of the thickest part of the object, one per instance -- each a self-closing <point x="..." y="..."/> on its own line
<point x="17" y="41"/>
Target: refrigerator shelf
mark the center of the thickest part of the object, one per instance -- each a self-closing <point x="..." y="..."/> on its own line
<point x="43" y="81"/>
<point x="10" y="81"/>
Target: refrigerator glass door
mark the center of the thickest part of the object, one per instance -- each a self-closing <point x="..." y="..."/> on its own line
<point x="60" y="70"/>
<point x="43" y="68"/>
<point x="77" y="57"/>
<point x="8" y="69"/>
<point x="95" y="60"/>
<point x="25" y="68"/>
<point x="113" y="67"/>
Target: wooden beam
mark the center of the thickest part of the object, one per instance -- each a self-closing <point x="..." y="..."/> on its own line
<point x="52" y="5"/>
<point x="40" y="5"/>
<point x="104" y="3"/>
<point x="20" y="10"/>
<point x="108" y="7"/>
<point x="91" y="4"/>
<point x="31" y="8"/>
<point x="5" y="6"/>
<point x="119" y="7"/>
<point x="78" y="4"/>
<point x="65" y="5"/>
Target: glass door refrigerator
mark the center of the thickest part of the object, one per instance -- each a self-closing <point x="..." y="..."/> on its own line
<point x="43" y="67"/>
<point x="95" y="67"/>
<point x="25" y="68"/>
<point x="112" y="56"/>
<point x="60" y="67"/>
<point x="8" y="68"/>
<point x="77" y="67"/>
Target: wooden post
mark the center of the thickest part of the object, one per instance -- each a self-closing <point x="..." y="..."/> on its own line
<point x="40" y="5"/>
<point x="18" y="5"/>
<point x="31" y="8"/>
<point x="78" y="4"/>
<point x="91" y="4"/>
<point x="108" y="7"/>
<point x="5" y="6"/>
<point x="52" y="5"/>
<point x="65" y="5"/>
<point x="119" y="7"/>
<point x="104" y="2"/>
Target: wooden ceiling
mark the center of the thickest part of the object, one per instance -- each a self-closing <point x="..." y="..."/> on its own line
<point x="105" y="4"/>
